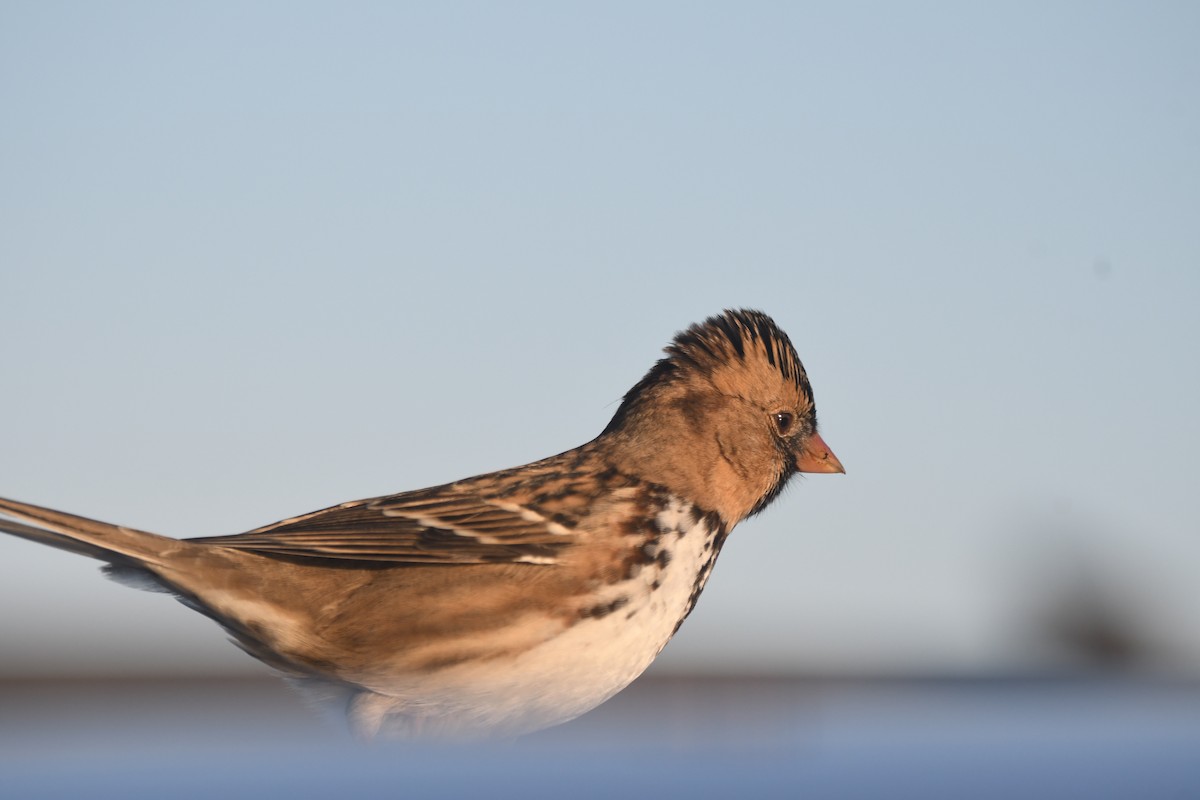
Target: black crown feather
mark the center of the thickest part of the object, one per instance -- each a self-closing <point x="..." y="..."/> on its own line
<point x="709" y="344"/>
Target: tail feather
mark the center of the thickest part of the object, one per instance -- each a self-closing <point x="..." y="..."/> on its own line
<point x="81" y="535"/>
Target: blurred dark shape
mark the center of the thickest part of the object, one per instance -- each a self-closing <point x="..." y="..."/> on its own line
<point x="1092" y="625"/>
<point x="1075" y="607"/>
<point x="1102" y="268"/>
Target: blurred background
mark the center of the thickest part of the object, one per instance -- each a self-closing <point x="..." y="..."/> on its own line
<point x="259" y="258"/>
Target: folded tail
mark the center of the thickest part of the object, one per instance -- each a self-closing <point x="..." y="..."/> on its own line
<point x="89" y="537"/>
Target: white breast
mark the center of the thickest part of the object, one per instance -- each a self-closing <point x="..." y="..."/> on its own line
<point x="569" y="673"/>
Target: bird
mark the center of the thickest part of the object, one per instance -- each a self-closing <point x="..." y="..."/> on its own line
<point x="513" y="601"/>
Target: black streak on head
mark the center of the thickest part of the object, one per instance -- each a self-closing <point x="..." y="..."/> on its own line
<point x="781" y="482"/>
<point x="707" y="345"/>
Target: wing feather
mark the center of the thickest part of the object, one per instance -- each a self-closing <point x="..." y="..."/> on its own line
<point x="433" y="526"/>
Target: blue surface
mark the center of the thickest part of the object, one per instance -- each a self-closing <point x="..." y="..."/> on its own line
<point x="1094" y="739"/>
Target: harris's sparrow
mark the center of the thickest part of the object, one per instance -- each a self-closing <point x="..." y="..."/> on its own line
<point x="515" y="600"/>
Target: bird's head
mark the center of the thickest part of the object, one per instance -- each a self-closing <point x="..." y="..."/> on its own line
<point x="725" y="420"/>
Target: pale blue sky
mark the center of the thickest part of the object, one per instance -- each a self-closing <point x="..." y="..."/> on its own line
<point x="260" y="258"/>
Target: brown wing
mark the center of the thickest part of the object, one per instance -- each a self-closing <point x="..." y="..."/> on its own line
<point x="429" y="526"/>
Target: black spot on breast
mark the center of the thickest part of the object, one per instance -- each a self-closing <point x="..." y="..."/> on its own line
<point x="604" y="609"/>
<point x="712" y="549"/>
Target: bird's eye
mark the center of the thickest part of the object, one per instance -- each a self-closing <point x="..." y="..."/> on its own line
<point x="784" y="420"/>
